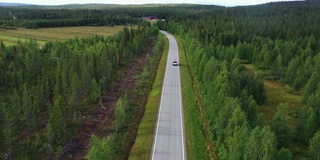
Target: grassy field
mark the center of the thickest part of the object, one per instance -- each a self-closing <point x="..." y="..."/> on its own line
<point x="44" y="35"/>
<point x="278" y="93"/>
<point x="143" y="143"/>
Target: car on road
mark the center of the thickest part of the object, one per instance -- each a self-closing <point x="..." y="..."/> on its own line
<point x="175" y="62"/>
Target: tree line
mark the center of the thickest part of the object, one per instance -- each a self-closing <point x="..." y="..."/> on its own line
<point x="27" y="17"/>
<point x="92" y="15"/>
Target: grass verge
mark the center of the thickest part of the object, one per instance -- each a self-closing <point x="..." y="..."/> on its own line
<point x="194" y="137"/>
<point x="144" y="140"/>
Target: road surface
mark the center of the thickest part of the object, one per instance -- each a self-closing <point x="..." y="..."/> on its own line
<point x="169" y="137"/>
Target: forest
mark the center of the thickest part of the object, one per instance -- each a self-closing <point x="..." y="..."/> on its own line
<point x="282" y="41"/>
<point x="50" y="93"/>
<point x="45" y="91"/>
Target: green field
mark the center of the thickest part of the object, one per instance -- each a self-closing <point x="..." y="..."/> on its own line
<point x="44" y="35"/>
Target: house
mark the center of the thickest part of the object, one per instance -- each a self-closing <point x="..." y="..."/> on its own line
<point x="149" y="18"/>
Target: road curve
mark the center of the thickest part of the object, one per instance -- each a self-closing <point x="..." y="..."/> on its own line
<point x="169" y="137"/>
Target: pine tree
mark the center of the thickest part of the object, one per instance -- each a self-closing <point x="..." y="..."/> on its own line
<point x="311" y="86"/>
<point x="307" y="69"/>
<point x="58" y="87"/>
<point x="290" y="74"/>
<point x="224" y="115"/>
<point x="235" y="68"/>
<point x="237" y="134"/>
<point x="284" y="154"/>
<point x="2" y="75"/>
<point x="27" y="108"/>
<point x="75" y="94"/>
<point x="310" y="126"/>
<point x="261" y="144"/>
<point x="56" y="129"/>
<point x="100" y="149"/>
<point x="277" y="67"/>
<point x="96" y="91"/>
<point x="267" y="58"/>
<point x="120" y="113"/>
<point x="9" y="126"/>
<point x="314" y="102"/>
<point x="18" y="108"/>
<point x="280" y="125"/>
<point x="252" y="112"/>
<point x="210" y="69"/>
<point x="86" y="79"/>
<point x="314" y="147"/>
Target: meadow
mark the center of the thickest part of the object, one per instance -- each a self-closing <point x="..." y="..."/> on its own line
<point x="43" y="35"/>
<point x="278" y="93"/>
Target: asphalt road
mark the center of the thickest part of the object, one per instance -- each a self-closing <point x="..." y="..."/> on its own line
<point x="169" y="137"/>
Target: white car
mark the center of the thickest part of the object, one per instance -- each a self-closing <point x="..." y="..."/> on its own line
<point x="175" y="62"/>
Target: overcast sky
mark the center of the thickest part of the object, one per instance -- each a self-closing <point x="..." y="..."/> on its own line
<point x="215" y="2"/>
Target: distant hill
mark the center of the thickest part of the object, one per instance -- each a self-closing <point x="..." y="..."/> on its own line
<point x="3" y="4"/>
